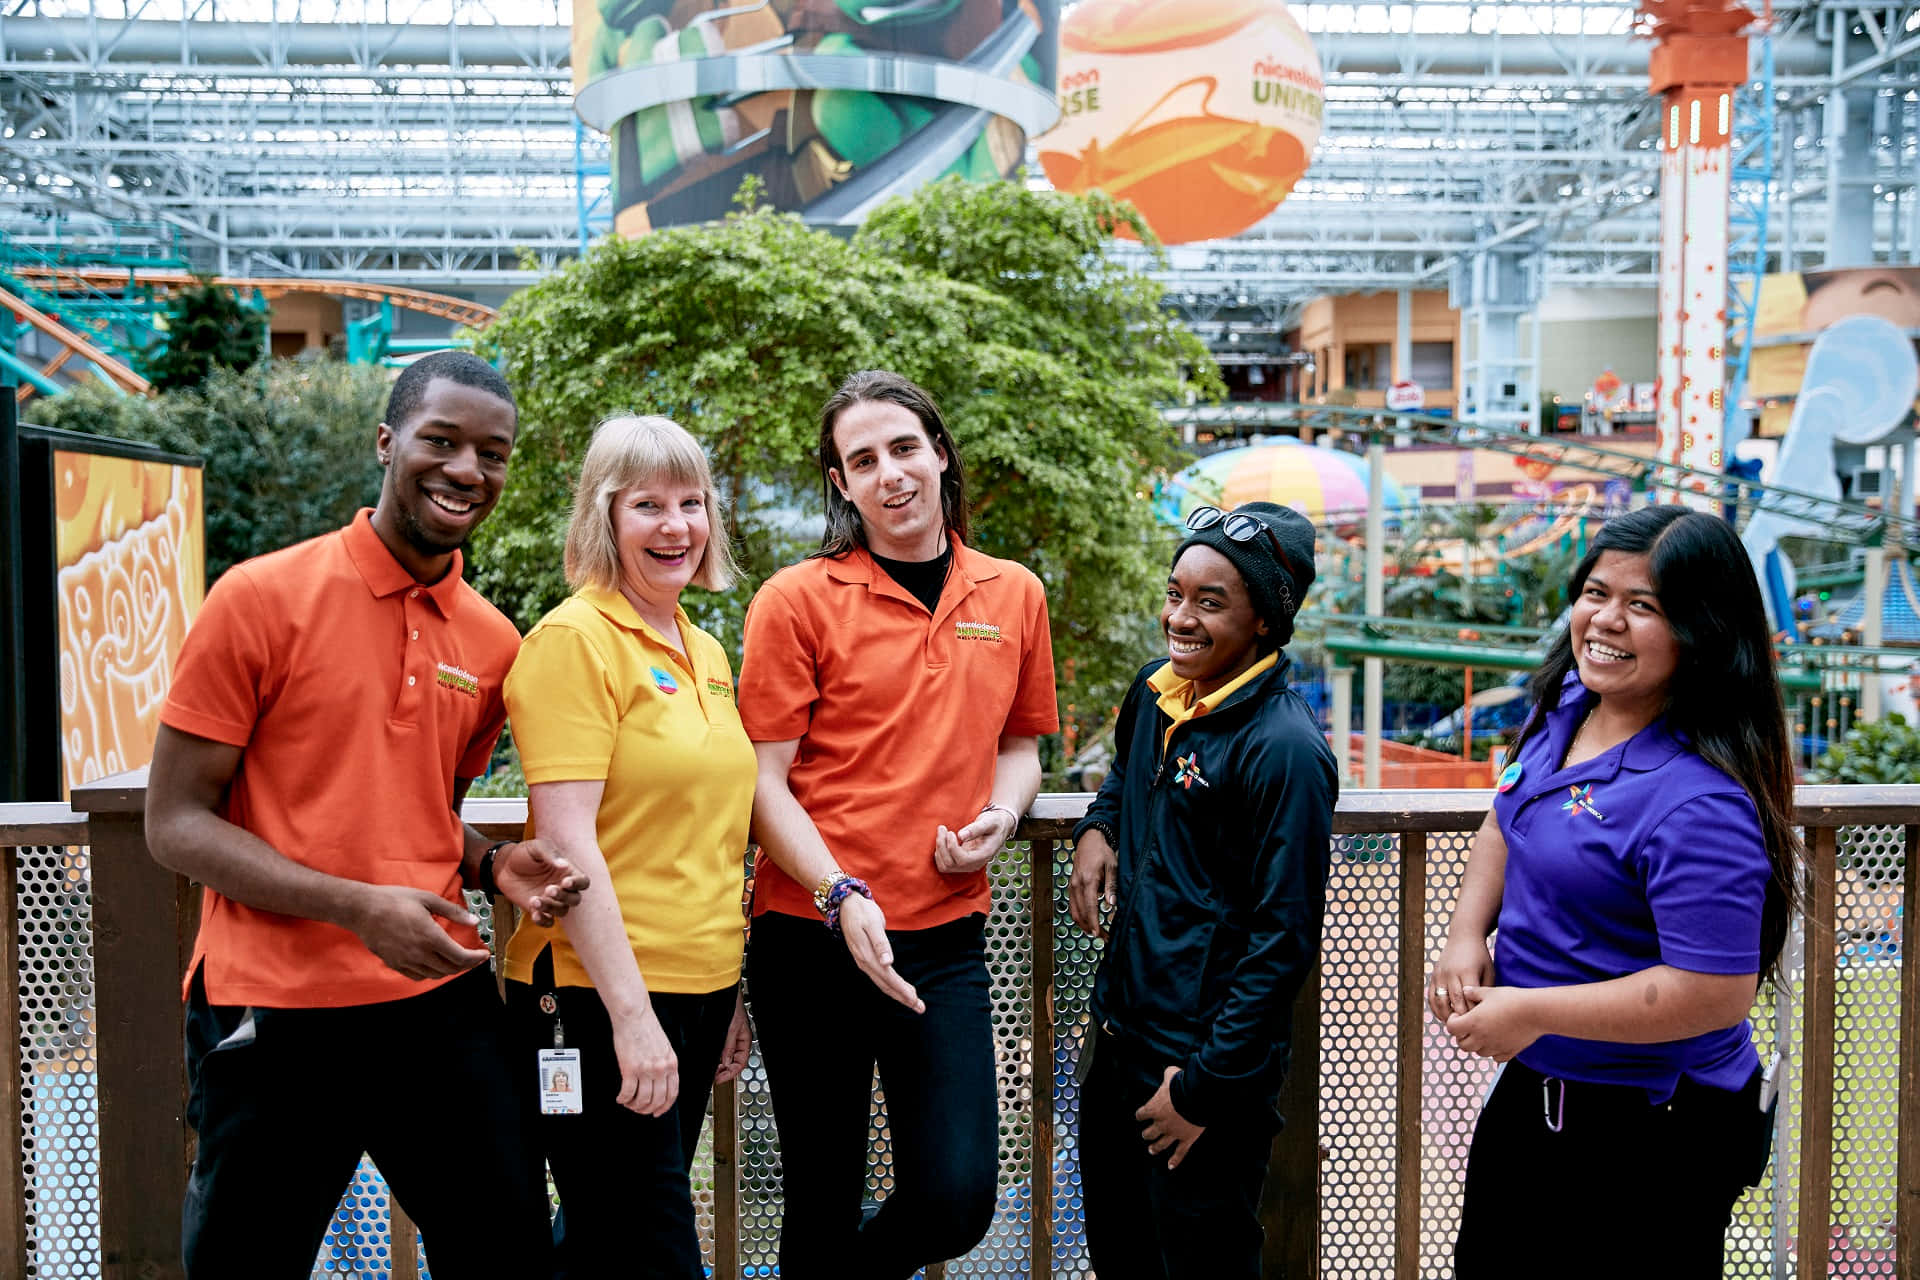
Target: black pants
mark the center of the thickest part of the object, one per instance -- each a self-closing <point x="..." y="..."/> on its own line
<point x="1596" y="1181"/>
<point x="1200" y="1221"/>
<point x="286" y="1100"/>
<point x="823" y="1027"/>
<point x="625" y="1195"/>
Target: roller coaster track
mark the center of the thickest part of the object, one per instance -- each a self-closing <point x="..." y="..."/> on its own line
<point x="71" y="345"/>
<point x="1845" y="522"/>
<point x="474" y="315"/>
<point x="48" y="278"/>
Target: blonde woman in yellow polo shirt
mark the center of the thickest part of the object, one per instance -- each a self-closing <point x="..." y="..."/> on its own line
<point x="639" y="771"/>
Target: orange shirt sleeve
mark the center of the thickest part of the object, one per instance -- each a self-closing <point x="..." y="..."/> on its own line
<point x="1036" y="706"/>
<point x="778" y="678"/>
<point x="222" y="679"/>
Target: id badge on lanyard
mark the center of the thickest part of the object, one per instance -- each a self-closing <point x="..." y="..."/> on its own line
<point x="560" y="1092"/>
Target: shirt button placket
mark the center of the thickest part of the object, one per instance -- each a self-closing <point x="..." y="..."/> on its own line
<point x="407" y="695"/>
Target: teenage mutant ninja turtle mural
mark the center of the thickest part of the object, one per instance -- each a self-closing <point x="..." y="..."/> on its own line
<point x="833" y="104"/>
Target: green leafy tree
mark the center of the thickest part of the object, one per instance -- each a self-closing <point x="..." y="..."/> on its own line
<point x="208" y="328"/>
<point x="1049" y="361"/>
<point x="288" y="446"/>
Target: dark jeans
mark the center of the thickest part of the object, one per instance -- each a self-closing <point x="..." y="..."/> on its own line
<point x="1200" y="1221"/>
<point x="823" y="1028"/>
<point x="625" y="1195"/>
<point x="285" y="1108"/>
<point x="1597" y="1181"/>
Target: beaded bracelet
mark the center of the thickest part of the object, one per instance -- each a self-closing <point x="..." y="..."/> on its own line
<point x="839" y="893"/>
<point x="1104" y="828"/>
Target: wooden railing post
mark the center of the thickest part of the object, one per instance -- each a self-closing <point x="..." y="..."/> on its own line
<point x="1816" y="1062"/>
<point x="404" y="1239"/>
<point x="139" y="952"/>
<point x="1290" y="1203"/>
<point x="1412" y="1014"/>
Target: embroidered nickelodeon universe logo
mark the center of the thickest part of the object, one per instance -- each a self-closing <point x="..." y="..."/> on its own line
<point x="719" y="688"/>
<point x="987" y="631"/>
<point x="1186" y="771"/>
<point x="1581" y="801"/>
<point x="452" y="677"/>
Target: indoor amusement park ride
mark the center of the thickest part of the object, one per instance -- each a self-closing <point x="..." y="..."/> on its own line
<point x="96" y="307"/>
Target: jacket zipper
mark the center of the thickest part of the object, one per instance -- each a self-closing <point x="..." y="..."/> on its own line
<point x="1123" y="917"/>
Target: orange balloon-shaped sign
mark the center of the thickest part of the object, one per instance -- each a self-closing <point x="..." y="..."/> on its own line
<point x="1203" y="113"/>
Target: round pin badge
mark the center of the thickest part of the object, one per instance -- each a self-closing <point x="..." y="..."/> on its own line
<point x="548" y="1004"/>
<point x="1509" y="776"/>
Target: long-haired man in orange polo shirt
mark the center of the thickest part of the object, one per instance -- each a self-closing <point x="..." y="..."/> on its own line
<point x="331" y="704"/>
<point x="895" y="686"/>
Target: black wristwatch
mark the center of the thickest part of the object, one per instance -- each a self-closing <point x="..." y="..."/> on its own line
<point x="484" y="880"/>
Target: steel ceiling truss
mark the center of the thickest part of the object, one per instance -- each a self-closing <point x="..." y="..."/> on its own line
<point x="432" y="141"/>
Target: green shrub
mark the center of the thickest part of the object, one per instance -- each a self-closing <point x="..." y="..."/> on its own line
<point x="1882" y="751"/>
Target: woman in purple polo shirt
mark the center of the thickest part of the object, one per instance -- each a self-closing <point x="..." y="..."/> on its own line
<point x="1640" y="863"/>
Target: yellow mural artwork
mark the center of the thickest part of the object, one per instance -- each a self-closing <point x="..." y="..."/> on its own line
<point x="132" y="573"/>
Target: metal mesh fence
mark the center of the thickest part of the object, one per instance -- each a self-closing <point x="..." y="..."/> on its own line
<point x="1075" y="957"/>
<point x="1866" y="1020"/>
<point x="60" y="1126"/>
<point x="59" y="1095"/>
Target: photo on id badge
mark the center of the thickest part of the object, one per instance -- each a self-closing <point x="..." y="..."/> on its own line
<point x="560" y="1093"/>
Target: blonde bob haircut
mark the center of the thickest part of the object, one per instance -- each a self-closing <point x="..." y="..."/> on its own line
<point x="628" y="451"/>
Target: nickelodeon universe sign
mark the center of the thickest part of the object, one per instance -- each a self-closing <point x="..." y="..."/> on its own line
<point x="1291" y="87"/>
<point x="1273" y="84"/>
<point x="1203" y="113"/>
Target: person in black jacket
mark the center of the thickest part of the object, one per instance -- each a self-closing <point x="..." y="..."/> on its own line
<point x="1209" y="844"/>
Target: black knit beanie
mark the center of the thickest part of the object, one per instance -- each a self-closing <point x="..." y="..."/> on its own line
<point x="1255" y="561"/>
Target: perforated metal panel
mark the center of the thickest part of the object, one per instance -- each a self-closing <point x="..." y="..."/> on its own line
<point x="1453" y="1083"/>
<point x="359" y="1241"/>
<point x="59" y="1097"/>
<point x="1010" y="970"/>
<point x="1004" y="1252"/>
<point x="59" y="1114"/>
<point x="1865" y="1058"/>
<point x="1358" y="1068"/>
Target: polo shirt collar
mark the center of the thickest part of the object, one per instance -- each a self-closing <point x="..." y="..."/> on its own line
<point x="1174" y="689"/>
<point x="620" y="611"/>
<point x="385" y="575"/>
<point x="857" y="565"/>
<point x="970" y="567"/>
<point x="1644" y="752"/>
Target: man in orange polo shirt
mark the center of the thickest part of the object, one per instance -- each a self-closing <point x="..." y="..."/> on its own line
<point x="895" y="686"/>
<point x="331" y="704"/>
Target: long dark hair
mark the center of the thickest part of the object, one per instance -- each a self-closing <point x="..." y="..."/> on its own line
<point x="1725" y="694"/>
<point x="844" y="530"/>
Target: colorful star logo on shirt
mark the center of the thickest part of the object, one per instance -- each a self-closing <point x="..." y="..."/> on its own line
<point x="1186" y="771"/>
<point x="1581" y="801"/>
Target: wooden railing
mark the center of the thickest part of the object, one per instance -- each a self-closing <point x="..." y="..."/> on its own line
<point x="143" y="919"/>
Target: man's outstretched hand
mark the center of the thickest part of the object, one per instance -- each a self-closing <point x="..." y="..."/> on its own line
<point x="537" y="880"/>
